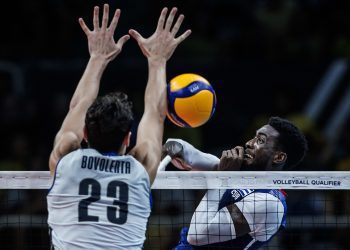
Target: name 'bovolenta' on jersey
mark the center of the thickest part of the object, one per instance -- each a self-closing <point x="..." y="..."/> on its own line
<point x="105" y="165"/>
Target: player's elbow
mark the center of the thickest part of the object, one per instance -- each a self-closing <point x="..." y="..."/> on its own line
<point x="161" y="116"/>
<point x="160" y="113"/>
<point x="197" y="237"/>
<point x="75" y="102"/>
<point x="158" y="109"/>
<point x="192" y="239"/>
<point x="197" y="240"/>
<point x="78" y="102"/>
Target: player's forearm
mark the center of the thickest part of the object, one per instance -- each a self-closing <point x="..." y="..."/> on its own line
<point x="196" y="159"/>
<point x="89" y="84"/>
<point x="155" y="94"/>
<point x="204" y="161"/>
<point x="84" y="95"/>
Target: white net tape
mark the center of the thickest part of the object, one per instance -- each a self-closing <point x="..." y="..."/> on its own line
<point x="337" y="180"/>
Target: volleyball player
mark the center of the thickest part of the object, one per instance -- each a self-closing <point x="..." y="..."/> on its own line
<point x="240" y="218"/>
<point x="100" y="196"/>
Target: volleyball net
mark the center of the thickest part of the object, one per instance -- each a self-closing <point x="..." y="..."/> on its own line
<point x="318" y="203"/>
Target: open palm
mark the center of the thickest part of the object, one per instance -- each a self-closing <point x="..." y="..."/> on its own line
<point x="162" y="44"/>
<point x="100" y="39"/>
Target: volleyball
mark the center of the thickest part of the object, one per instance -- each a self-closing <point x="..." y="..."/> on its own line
<point x="191" y="100"/>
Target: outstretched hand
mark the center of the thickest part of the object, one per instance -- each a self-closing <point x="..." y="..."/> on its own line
<point x="162" y="44"/>
<point x="100" y="39"/>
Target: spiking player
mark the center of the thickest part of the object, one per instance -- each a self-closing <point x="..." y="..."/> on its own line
<point x="100" y="196"/>
<point x="240" y="218"/>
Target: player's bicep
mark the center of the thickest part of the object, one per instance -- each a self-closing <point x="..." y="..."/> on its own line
<point x="64" y="144"/>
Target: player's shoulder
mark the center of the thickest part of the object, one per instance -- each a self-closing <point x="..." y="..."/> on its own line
<point x="137" y="164"/>
<point x="265" y="194"/>
<point x="70" y="155"/>
<point x="265" y="200"/>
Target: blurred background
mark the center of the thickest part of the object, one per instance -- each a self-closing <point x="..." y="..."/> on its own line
<point x="263" y="57"/>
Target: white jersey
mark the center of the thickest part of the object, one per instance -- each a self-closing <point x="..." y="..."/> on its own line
<point x="98" y="202"/>
<point x="264" y="211"/>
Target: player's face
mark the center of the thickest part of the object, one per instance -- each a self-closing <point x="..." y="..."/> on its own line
<point x="259" y="151"/>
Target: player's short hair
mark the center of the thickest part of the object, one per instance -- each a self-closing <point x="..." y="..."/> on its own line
<point x="108" y="120"/>
<point x="291" y="140"/>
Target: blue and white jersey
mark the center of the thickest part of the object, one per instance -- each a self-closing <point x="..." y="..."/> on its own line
<point x="212" y="225"/>
<point x="98" y="202"/>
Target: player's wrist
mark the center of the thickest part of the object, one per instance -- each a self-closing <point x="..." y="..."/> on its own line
<point x="99" y="59"/>
<point x="98" y="63"/>
<point x="156" y="61"/>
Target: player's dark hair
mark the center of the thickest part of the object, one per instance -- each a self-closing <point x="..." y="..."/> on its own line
<point x="108" y="120"/>
<point x="291" y="140"/>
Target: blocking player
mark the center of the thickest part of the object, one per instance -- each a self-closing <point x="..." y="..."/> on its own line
<point x="240" y="218"/>
<point x="100" y="196"/>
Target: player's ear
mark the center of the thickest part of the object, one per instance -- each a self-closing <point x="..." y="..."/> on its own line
<point x="126" y="140"/>
<point x="279" y="157"/>
<point x="85" y="135"/>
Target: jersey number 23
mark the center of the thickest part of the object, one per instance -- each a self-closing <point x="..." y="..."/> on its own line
<point x="117" y="213"/>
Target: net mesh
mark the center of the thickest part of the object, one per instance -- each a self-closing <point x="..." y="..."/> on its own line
<point x="316" y="219"/>
<point x="23" y="219"/>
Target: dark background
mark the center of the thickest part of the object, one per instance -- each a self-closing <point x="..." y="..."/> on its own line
<point x="263" y="58"/>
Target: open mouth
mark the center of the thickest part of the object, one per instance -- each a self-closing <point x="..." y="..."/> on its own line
<point x="248" y="156"/>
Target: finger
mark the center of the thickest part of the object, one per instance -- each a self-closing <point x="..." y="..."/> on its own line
<point x="83" y="26"/>
<point x="224" y="154"/>
<point x="183" y="36"/>
<point x="136" y="35"/>
<point x="223" y="160"/>
<point x="234" y="153"/>
<point x="115" y="20"/>
<point x="177" y="25"/>
<point x="95" y="20"/>
<point x="240" y="152"/>
<point x="105" y="16"/>
<point x="161" y="20"/>
<point x="170" y="20"/>
<point x="122" y="40"/>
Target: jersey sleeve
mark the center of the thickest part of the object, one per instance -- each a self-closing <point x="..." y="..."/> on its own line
<point x="264" y="213"/>
<point x="208" y="225"/>
<point x="198" y="160"/>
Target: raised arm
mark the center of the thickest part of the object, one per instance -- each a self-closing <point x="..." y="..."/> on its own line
<point x="102" y="49"/>
<point x="187" y="157"/>
<point x="158" y="48"/>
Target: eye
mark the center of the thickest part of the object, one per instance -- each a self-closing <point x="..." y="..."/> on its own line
<point x="260" y="140"/>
